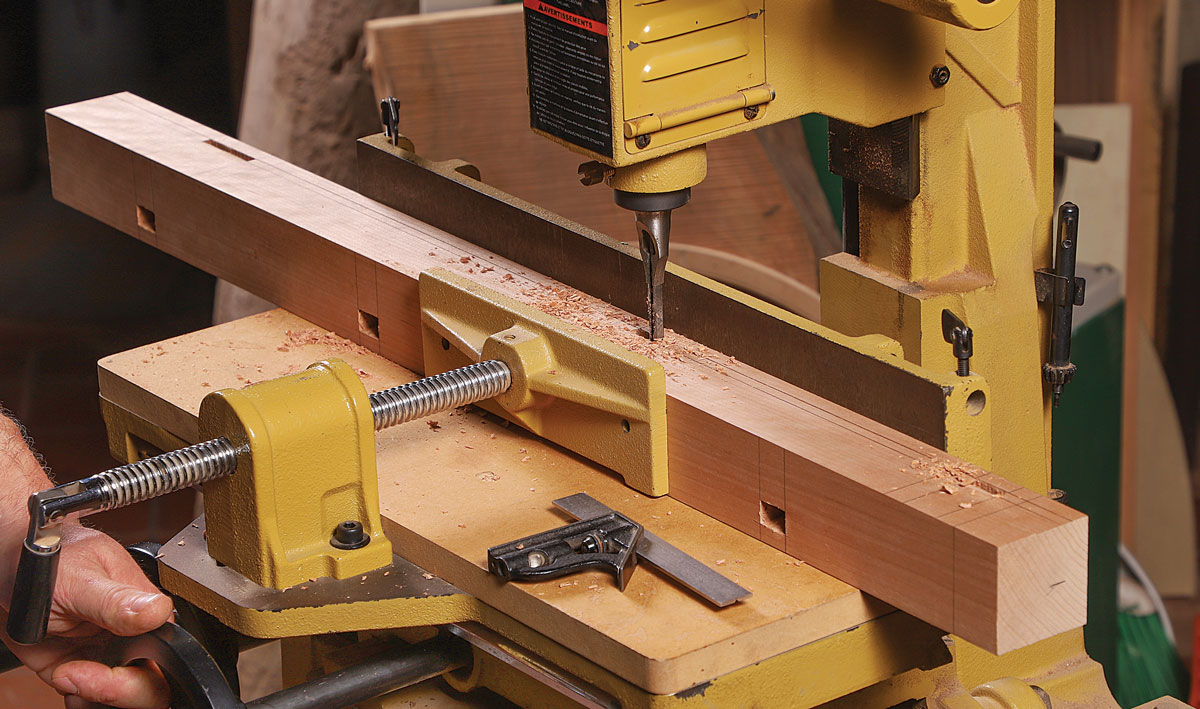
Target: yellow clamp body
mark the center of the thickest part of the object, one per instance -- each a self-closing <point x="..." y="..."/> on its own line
<point x="306" y="463"/>
<point x="582" y="392"/>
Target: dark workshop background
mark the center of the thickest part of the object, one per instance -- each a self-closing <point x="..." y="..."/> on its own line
<point x="72" y="290"/>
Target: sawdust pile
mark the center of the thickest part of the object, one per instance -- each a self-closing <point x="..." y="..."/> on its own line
<point x="612" y="324"/>
<point x="955" y="475"/>
<point x="322" y="338"/>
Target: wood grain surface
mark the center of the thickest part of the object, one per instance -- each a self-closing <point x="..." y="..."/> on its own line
<point x="949" y="543"/>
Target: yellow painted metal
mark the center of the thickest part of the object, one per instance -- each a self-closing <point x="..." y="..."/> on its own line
<point x="971" y="240"/>
<point x="683" y="71"/>
<point x="307" y="464"/>
<point x="325" y="618"/>
<point x="971" y="14"/>
<point x="578" y="390"/>
<point x="1059" y="666"/>
<point x="687" y="168"/>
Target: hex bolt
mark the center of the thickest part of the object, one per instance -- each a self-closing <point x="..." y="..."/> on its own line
<point x="349" y="535"/>
<point x="939" y="76"/>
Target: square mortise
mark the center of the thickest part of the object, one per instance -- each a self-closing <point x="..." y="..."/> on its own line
<point x="368" y="324"/>
<point x="772" y="517"/>
<point x="145" y="218"/>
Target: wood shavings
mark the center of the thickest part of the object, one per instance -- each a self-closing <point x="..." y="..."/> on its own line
<point x="427" y="576"/>
<point x="465" y="259"/>
<point x="433" y="425"/>
<point x="720" y="562"/>
<point x="324" y="338"/>
<point x="610" y="323"/>
<point x="488" y="476"/>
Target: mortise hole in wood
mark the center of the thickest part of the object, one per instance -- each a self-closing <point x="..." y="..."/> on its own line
<point x="145" y="219"/>
<point x="976" y="400"/>
<point x="445" y="344"/>
<point x="368" y="324"/>
<point x="235" y="153"/>
<point x="772" y="517"/>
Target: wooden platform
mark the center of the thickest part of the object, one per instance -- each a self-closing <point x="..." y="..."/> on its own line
<point x="453" y="485"/>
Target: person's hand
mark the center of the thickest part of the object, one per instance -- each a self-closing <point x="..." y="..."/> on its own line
<point x="100" y="592"/>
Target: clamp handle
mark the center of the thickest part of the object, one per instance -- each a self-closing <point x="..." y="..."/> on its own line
<point x="33" y="592"/>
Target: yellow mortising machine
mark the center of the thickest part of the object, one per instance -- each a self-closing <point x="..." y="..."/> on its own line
<point x="941" y="121"/>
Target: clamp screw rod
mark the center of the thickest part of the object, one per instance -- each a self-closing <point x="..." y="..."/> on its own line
<point x="162" y="474"/>
<point x="441" y="392"/>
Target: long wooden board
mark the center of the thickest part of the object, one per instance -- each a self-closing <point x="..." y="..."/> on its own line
<point x="954" y="545"/>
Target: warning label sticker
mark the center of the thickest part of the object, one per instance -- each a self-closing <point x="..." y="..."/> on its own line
<point x="566" y="43"/>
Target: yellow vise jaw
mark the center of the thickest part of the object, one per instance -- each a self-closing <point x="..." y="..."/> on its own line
<point x="582" y="392"/>
<point x="306" y="463"/>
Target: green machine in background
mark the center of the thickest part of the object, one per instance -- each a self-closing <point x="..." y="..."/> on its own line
<point x="1139" y="661"/>
<point x="1087" y="450"/>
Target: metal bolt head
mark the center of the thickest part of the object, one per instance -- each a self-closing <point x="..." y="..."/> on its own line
<point x="349" y="535"/>
<point x="751" y="112"/>
<point x="642" y="141"/>
<point x="939" y="76"/>
<point x="593" y="173"/>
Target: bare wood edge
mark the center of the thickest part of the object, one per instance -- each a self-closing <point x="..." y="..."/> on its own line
<point x="220" y="210"/>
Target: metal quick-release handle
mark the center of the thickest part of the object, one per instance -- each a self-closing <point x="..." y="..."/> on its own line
<point x="37" y="570"/>
<point x="33" y="592"/>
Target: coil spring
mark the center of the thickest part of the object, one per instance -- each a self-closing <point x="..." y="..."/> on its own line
<point x="166" y="473"/>
<point x="440" y="392"/>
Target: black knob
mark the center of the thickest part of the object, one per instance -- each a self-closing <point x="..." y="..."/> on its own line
<point x="349" y="535"/>
<point x="33" y="592"/>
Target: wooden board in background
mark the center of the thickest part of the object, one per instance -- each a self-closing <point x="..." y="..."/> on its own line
<point x="951" y="544"/>
<point x="461" y="81"/>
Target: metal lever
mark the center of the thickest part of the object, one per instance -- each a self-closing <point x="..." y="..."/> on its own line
<point x="956" y="332"/>
<point x="125" y="485"/>
<point x="608" y="541"/>
<point x="389" y="116"/>
<point x="1063" y="290"/>
<point x="37" y="569"/>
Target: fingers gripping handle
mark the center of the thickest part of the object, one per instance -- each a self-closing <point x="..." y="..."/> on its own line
<point x="33" y="592"/>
